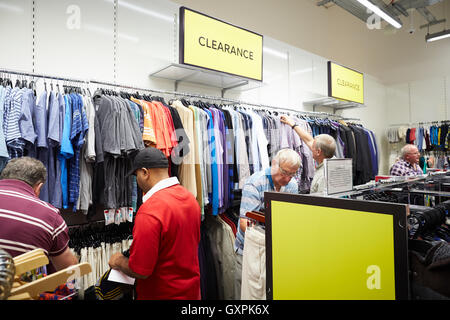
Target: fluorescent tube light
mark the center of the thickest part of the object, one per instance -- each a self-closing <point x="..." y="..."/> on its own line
<point x="437" y="36"/>
<point x="377" y="10"/>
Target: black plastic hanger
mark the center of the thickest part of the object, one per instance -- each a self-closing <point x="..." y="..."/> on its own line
<point x="184" y="102"/>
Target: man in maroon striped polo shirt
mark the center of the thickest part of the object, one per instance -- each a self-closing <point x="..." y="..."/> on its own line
<point x="28" y="223"/>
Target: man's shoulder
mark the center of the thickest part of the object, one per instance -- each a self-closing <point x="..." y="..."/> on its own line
<point x="257" y="179"/>
<point x="259" y="175"/>
<point x="175" y="192"/>
<point x="400" y="163"/>
<point x="10" y="191"/>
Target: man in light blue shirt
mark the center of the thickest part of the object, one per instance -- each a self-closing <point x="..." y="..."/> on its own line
<point x="280" y="178"/>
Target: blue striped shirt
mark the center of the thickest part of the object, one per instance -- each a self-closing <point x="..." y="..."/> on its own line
<point x="78" y="131"/>
<point x="253" y="199"/>
<point x="13" y="116"/>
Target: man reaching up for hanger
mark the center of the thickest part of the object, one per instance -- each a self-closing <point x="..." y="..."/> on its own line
<point x="28" y="223"/>
<point x="323" y="146"/>
<point x="166" y="234"/>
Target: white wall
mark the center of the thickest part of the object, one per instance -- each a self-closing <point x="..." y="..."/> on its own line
<point x="416" y="101"/>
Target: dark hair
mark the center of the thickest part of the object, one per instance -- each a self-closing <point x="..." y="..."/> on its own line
<point x="29" y="170"/>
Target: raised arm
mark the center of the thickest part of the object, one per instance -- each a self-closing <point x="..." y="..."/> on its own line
<point x="304" y="135"/>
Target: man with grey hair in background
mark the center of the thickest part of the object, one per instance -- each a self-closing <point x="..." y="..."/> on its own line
<point x="28" y="223"/>
<point x="323" y="146"/>
<point x="408" y="164"/>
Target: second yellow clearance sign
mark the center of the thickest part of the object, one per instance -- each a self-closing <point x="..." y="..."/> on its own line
<point x="345" y="83"/>
<point x="213" y="44"/>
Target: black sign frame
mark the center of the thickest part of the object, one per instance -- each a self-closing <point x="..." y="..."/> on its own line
<point x="398" y="211"/>
<point x="330" y="89"/>
<point x="181" y="45"/>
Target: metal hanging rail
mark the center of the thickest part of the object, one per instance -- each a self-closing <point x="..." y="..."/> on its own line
<point x="234" y="101"/>
<point x="39" y="75"/>
<point x="419" y="123"/>
<point x="174" y="93"/>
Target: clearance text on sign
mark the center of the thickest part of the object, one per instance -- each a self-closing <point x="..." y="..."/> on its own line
<point x="217" y="45"/>
<point x="345" y="84"/>
<point x="213" y="44"/>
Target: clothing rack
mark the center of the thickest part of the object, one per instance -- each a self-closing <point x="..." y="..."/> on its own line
<point x="233" y="101"/>
<point x="40" y="75"/>
<point x="419" y="123"/>
<point x="174" y="93"/>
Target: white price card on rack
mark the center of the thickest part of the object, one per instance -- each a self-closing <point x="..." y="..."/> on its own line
<point x="338" y="175"/>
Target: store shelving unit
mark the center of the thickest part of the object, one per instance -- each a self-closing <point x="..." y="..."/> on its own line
<point x="190" y="74"/>
<point x="333" y="103"/>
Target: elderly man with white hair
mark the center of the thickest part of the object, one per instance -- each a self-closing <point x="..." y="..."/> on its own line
<point x="408" y="164"/>
<point x="280" y="177"/>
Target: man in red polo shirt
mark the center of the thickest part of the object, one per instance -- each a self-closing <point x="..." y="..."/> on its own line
<point x="166" y="234"/>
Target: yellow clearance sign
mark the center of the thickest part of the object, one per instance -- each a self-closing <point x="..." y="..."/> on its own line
<point x="341" y="254"/>
<point x="213" y="44"/>
<point x="345" y="84"/>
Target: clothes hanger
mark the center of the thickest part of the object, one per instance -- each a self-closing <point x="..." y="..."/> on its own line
<point x="256" y="215"/>
<point x="185" y="102"/>
<point x="52" y="281"/>
<point x="29" y="261"/>
<point x="32" y="260"/>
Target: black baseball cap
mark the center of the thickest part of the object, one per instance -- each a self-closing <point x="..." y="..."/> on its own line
<point x="149" y="158"/>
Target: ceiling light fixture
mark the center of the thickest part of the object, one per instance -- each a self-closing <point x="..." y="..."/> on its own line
<point x="379" y="12"/>
<point x="437" y="36"/>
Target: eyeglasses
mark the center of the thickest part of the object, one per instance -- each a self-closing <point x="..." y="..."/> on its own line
<point x="286" y="173"/>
